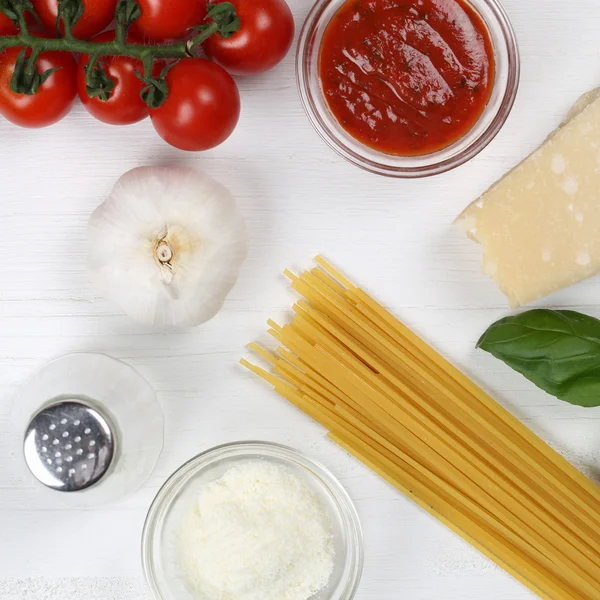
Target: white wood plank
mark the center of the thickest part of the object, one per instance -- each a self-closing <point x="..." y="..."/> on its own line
<point x="299" y="198"/>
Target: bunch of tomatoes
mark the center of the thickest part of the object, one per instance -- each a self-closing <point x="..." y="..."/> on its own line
<point x="202" y="105"/>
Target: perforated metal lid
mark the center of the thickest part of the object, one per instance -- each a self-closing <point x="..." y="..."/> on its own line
<point x="69" y="446"/>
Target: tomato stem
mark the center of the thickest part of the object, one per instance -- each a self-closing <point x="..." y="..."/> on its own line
<point x="114" y="48"/>
<point x="30" y="69"/>
<point x="22" y="22"/>
<point x="199" y="39"/>
<point x="221" y="19"/>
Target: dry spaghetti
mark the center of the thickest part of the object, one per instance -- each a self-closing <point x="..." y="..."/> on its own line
<point x="407" y="413"/>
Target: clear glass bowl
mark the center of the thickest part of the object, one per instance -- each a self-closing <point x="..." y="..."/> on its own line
<point x="483" y="132"/>
<point x="176" y="497"/>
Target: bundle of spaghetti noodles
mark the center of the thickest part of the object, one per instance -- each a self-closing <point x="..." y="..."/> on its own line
<point x="399" y="407"/>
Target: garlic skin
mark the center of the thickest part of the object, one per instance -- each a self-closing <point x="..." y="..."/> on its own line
<point x="167" y="246"/>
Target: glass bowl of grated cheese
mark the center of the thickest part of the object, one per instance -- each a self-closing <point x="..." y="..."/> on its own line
<point x="252" y="521"/>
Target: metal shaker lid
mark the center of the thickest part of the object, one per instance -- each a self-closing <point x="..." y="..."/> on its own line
<point x="69" y="446"/>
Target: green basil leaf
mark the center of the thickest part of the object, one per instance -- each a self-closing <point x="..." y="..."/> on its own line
<point x="558" y="350"/>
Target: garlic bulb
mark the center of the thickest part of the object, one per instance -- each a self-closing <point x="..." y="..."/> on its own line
<point x="167" y="245"/>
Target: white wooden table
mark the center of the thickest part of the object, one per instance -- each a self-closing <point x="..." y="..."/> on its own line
<point x="299" y="198"/>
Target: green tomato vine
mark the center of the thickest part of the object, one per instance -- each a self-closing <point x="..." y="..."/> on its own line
<point x="27" y="79"/>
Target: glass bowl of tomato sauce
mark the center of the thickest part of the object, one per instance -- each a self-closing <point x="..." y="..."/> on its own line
<point x="408" y="88"/>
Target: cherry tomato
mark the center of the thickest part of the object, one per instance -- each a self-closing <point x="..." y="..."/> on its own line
<point x="97" y="16"/>
<point x="168" y="19"/>
<point x="264" y="38"/>
<point x="54" y="98"/>
<point x="7" y="27"/>
<point x="124" y="106"/>
<point x="202" y="108"/>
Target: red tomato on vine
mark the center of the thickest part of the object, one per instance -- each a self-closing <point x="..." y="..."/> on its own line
<point x="97" y="15"/>
<point x="202" y="108"/>
<point x="264" y="38"/>
<point x="124" y="104"/>
<point x="54" y="97"/>
<point x="164" y="20"/>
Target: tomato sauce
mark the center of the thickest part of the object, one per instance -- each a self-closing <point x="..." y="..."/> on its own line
<point x="407" y="77"/>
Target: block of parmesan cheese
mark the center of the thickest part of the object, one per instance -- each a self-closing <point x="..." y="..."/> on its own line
<point x="540" y="225"/>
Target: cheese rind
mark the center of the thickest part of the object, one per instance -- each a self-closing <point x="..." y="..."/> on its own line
<point x="540" y="225"/>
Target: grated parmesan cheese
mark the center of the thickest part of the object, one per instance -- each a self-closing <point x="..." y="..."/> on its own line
<point x="257" y="533"/>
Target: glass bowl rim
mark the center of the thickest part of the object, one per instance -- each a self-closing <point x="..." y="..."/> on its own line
<point x="345" y="508"/>
<point x="436" y="167"/>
